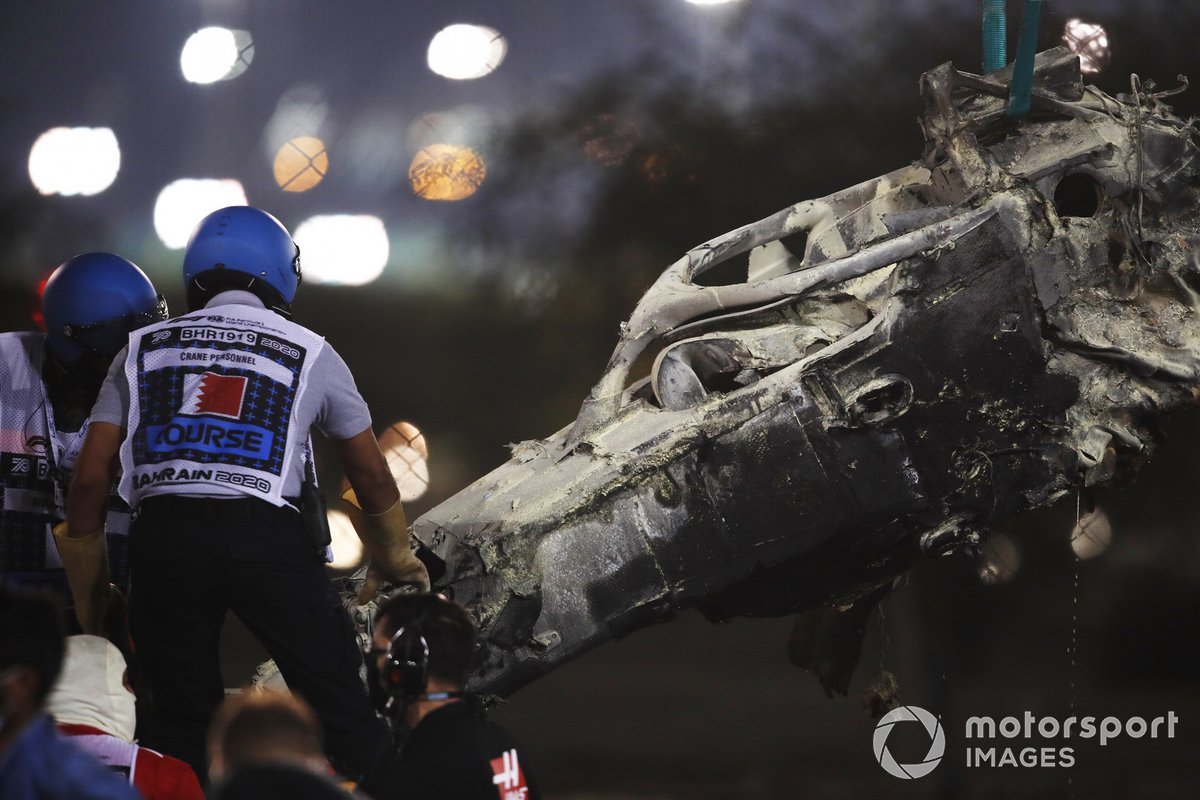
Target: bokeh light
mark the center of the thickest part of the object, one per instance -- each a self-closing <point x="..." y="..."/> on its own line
<point x="1092" y="534"/>
<point x="74" y="161"/>
<point x="1000" y="561"/>
<point x="183" y="203"/>
<point x="344" y="541"/>
<point x="342" y="249"/>
<point x="1089" y="41"/>
<point x="462" y="52"/>
<point x="446" y="172"/>
<point x="209" y="55"/>
<point x="710" y="2"/>
<point x="301" y="164"/>
<point x="465" y="125"/>
<point x="408" y="458"/>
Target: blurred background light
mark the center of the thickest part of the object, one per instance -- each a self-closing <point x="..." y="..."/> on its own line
<point x="183" y="203"/>
<point x="347" y="547"/>
<point x="301" y="164"/>
<point x="39" y="318"/>
<point x="342" y="249"/>
<point x="710" y="2"/>
<point x="209" y="55"/>
<point x="1000" y="561"/>
<point x="462" y="52"/>
<point x="465" y="125"/>
<point x="245" y="49"/>
<point x="302" y="111"/>
<point x="1089" y="41"/>
<point x="1092" y="534"/>
<point x="446" y="172"/>
<point x="74" y="161"/>
<point x="407" y="456"/>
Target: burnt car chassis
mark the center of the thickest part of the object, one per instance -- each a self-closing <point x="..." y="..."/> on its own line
<point x="1000" y="323"/>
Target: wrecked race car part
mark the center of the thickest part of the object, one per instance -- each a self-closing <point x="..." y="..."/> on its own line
<point x="966" y="338"/>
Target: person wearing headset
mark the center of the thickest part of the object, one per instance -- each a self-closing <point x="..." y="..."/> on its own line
<point x="209" y="417"/>
<point x="422" y="652"/>
<point x="48" y="383"/>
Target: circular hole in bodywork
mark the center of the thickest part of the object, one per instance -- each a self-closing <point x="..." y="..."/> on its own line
<point x="1077" y="195"/>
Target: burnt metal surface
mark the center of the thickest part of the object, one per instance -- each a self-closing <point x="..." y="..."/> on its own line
<point x="904" y="364"/>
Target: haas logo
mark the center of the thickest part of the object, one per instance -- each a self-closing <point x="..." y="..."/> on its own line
<point x="507" y="775"/>
<point x="214" y="395"/>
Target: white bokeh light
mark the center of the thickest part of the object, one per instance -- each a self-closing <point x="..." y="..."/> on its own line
<point x="710" y="2"/>
<point x="209" y="55"/>
<point x="183" y="203"/>
<point x="343" y="249"/>
<point x="1092" y="534"/>
<point x="1089" y="41"/>
<point x="462" y="52"/>
<point x="71" y="161"/>
<point x="343" y="540"/>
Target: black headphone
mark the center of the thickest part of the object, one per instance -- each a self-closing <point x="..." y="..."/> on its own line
<point x="406" y="661"/>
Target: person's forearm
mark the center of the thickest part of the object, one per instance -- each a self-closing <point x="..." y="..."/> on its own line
<point x="367" y="472"/>
<point x="375" y="496"/>
<point x="87" y="506"/>
<point x="95" y="470"/>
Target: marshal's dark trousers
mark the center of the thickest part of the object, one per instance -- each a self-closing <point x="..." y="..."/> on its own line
<point x="191" y="559"/>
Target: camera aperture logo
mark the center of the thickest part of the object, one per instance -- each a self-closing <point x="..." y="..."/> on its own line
<point x="937" y="742"/>
<point x="989" y="742"/>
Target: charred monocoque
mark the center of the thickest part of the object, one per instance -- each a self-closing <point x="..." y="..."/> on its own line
<point x="952" y="343"/>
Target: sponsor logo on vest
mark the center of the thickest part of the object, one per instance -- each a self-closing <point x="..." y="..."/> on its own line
<point x="210" y="436"/>
<point x="39" y="443"/>
<point x="217" y="335"/>
<point x="160" y="336"/>
<point x="25" y="467"/>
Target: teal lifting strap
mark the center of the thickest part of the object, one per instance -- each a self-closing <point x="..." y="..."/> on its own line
<point x="995" y="54"/>
<point x="1022" y="78"/>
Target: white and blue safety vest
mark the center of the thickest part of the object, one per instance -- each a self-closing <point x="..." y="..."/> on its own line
<point x="213" y="398"/>
<point x="36" y="460"/>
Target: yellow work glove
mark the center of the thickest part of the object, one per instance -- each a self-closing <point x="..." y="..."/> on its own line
<point x="385" y="538"/>
<point x="85" y="559"/>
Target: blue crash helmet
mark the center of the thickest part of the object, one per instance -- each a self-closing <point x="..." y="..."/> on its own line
<point x="92" y="302"/>
<point x="242" y="247"/>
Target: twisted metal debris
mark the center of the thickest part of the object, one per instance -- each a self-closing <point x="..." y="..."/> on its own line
<point x="907" y="363"/>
